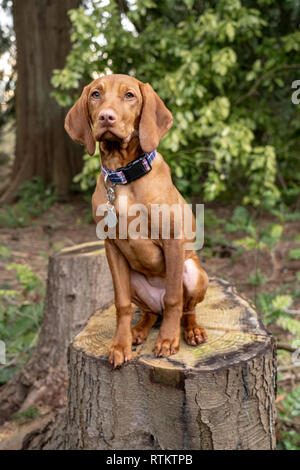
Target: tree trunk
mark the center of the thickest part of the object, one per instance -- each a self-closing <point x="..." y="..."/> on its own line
<point x="43" y="148"/>
<point x="79" y="283"/>
<point x="220" y="395"/>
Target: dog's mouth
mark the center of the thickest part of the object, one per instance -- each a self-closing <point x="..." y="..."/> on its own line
<point x="106" y="133"/>
<point x="109" y="135"/>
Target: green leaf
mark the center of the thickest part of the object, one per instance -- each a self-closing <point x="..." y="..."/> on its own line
<point x="276" y="231"/>
<point x="290" y="324"/>
<point x="189" y="3"/>
<point x="294" y="253"/>
<point x="248" y="243"/>
<point x="5" y="252"/>
<point x="282" y="302"/>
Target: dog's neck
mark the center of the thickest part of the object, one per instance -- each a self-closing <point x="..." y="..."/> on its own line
<point x="115" y="155"/>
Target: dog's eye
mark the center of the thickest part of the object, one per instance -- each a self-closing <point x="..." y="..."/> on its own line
<point x="129" y="95"/>
<point x="96" y="94"/>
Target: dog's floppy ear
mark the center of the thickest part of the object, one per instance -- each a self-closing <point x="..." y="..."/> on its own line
<point x="155" y="120"/>
<point x="77" y="123"/>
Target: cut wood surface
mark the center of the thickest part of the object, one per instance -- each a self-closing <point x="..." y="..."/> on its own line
<point x="234" y="330"/>
<point x="219" y="395"/>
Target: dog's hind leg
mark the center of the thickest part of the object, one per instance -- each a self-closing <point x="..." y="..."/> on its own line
<point x="195" y="282"/>
<point x="141" y="330"/>
<point x="150" y="300"/>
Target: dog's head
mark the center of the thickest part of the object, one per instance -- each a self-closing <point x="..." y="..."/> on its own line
<point x="117" y="108"/>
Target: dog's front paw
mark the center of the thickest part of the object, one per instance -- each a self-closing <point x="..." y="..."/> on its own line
<point x="119" y="353"/>
<point x="194" y="335"/>
<point x="165" y="347"/>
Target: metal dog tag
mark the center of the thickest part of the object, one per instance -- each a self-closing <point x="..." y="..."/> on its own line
<point x="110" y="218"/>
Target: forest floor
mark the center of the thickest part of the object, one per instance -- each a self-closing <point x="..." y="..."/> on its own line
<point x="236" y="249"/>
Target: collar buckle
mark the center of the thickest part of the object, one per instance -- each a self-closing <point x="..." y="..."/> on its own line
<point x="136" y="169"/>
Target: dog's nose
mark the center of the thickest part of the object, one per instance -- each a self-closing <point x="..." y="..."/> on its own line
<point x="107" y="117"/>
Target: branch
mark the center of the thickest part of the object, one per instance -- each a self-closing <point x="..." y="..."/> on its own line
<point x="263" y="77"/>
<point x="124" y="8"/>
<point x="286" y="347"/>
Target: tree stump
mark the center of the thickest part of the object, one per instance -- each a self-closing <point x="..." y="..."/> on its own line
<point x="79" y="283"/>
<point x="220" y="395"/>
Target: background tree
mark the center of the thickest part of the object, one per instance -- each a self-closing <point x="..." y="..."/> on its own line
<point x="43" y="149"/>
<point x="6" y="82"/>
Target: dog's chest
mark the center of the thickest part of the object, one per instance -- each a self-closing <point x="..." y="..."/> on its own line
<point x="143" y="255"/>
<point x="139" y="215"/>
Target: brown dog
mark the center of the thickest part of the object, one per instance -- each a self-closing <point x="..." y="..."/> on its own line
<point x="159" y="275"/>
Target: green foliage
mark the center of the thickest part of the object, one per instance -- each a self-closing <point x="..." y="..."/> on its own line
<point x="257" y="279"/>
<point x="14" y="216"/>
<point x="215" y="238"/>
<point x="241" y="220"/>
<point x="26" y="415"/>
<point x="289" y="409"/>
<point x="274" y="307"/>
<point x="290" y="324"/>
<point x="34" y="198"/>
<point x="257" y="238"/>
<point x="293" y="216"/>
<point x="28" y="280"/>
<point x="21" y="313"/>
<point x="281" y="302"/>
<point x="294" y="254"/>
<point x="5" y="252"/>
<point x="223" y="68"/>
<point x="91" y="170"/>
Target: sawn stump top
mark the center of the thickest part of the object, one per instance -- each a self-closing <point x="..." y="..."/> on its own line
<point x="235" y="333"/>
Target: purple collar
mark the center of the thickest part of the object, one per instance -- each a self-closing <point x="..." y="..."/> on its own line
<point x="134" y="170"/>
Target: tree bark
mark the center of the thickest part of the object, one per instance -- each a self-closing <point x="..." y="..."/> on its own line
<point x="220" y="395"/>
<point x="79" y="283"/>
<point x="43" y="148"/>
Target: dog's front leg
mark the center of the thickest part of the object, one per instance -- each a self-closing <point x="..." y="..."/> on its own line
<point x="120" y="350"/>
<point x="168" y="339"/>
